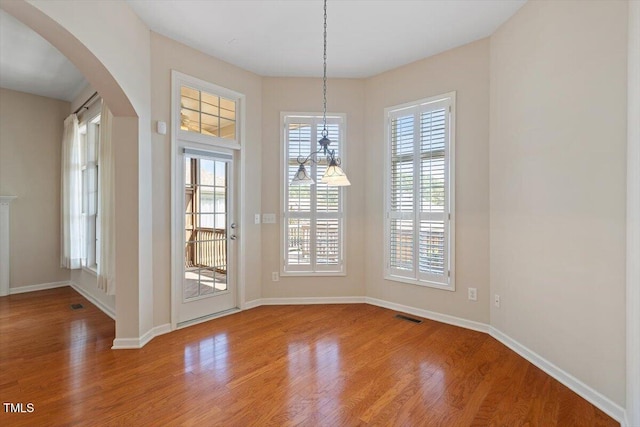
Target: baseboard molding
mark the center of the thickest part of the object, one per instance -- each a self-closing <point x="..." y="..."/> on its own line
<point x="145" y="338"/>
<point x="126" y="344"/>
<point x="39" y="287"/>
<point x="306" y="301"/>
<point x="431" y="315"/>
<point x="161" y="329"/>
<point x="137" y="343"/>
<point x="605" y="404"/>
<point x="252" y="304"/>
<point x="93" y="300"/>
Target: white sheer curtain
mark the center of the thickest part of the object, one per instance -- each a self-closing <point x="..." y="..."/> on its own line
<point x="106" y="206"/>
<point x="71" y="195"/>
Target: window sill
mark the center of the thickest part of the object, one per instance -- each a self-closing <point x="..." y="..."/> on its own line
<point x="451" y="287"/>
<point x="313" y="274"/>
<point x="93" y="270"/>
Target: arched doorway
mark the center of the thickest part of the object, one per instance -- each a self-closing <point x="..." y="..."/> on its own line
<point x="115" y="61"/>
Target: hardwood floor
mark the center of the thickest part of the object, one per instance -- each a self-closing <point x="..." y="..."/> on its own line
<point x="330" y="365"/>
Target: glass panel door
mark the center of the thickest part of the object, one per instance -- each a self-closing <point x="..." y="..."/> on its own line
<point x="208" y="235"/>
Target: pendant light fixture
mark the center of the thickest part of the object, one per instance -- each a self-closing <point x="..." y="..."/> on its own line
<point x="334" y="175"/>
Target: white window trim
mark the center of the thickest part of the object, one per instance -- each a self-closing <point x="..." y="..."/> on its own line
<point x="180" y="79"/>
<point x="283" y="197"/>
<point x="93" y="270"/>
<point x="209" y="141"/>
<point x="90" y="255"/>
<point x="450" y="99"/>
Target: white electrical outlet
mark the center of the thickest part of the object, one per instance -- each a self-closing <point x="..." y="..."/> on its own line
<point x="496" y="300"/>
<point x="472" y="293"/>
<point x="275" y="277"/>
<point x="256" y="219"/>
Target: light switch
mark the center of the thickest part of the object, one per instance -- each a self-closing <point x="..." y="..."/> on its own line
<point x="256" y="219"/>
<point x="161" y="128"/>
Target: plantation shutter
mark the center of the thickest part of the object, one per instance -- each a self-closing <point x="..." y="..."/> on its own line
<point x="418" y="205"/>
<point x="313" y="217"/>
<point x="402" y="213"/>
<point x="432" y="252"/>
<point x="299" y="201"/>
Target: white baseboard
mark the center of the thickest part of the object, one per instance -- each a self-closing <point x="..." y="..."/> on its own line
<point x="252" y="304"/>
<point x="126" y="344"/>
<point x="605" y="404"/>
<point x="137" y="343"/>
<point x="444" y="318"/>
<point x="306" y="301"/>
<point x="102" y="306"/>
<point x="161" y="329"/>
<point x="432" y="315"/>
<point x="39" y="287"/>
<point x="145" y="338"/>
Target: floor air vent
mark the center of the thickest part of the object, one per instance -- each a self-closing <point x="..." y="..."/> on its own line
<point x="407" y="318"/>
<point x="77" y="306"/>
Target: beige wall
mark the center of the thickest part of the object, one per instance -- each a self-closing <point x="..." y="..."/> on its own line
<point x="558" y="141"/>
<point x="305" y="95"/>
<point x="166" y="55"/>
<point x="466" y="71"/>
<point x="30" y="149"/>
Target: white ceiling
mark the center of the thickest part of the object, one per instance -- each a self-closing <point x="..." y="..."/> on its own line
<point x="284" y="37"/>
<point x="272" y="37"/>
<point x="28" y="63"/>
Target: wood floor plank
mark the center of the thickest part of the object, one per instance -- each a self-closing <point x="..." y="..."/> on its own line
<point x="332" y="365"/>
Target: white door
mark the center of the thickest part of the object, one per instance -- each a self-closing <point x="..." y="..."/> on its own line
<point x="207" y="285"/>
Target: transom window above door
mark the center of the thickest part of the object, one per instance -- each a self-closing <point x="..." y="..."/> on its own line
<point x="207" y="114"/>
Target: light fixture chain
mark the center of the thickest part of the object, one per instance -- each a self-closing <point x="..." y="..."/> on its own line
<point x="324" y="78"/>
<point x="334" y="175"/>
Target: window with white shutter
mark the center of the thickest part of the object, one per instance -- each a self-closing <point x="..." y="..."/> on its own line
<point x="313" y="216"/>
<point x="419" y="218"/>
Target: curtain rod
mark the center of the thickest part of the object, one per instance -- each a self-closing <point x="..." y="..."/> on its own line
<point x="84" y="105"/>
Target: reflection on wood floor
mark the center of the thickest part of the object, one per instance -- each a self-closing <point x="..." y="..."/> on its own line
<point x="330" y="365"/>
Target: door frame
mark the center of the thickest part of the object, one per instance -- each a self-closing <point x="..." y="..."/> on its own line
<point x="239" y="181"/>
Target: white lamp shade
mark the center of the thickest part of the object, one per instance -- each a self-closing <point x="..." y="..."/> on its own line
<point x="301" y="177"/>
<point x="335" y="177"/>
